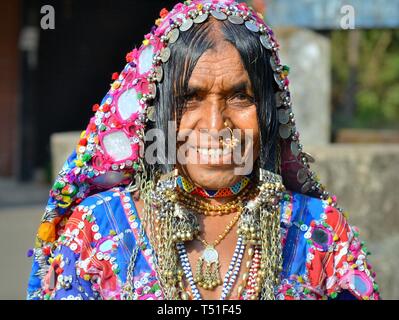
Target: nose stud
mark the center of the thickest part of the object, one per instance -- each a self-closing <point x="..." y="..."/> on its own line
<point x="232" y="141"/>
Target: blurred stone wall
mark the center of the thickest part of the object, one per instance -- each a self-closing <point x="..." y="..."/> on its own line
<point x="62" y="145"/>
<point x="310" y="81"/>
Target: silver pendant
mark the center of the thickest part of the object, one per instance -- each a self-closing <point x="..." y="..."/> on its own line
<point x="152" y="90"/>
<point x="236" y="19"/>
<point x="201" y="18"/>
<point x="295" y="148"/>
<point x="165" y="55"/>
<point x="302" y="175"/>
<point x="186" y="25"/>
<point x="151" y="113"/>
<point x="285" y="131"/>
<point x="251" y="26"/>
<point x="284" y="116"/>
<point x="173" y="35"/>
<point x="210" y="255"/>
<point x="158" y="73"/>
<point x="265" y="42"/>
<point x="219" y="15"/>
<point x="309" y="157"/>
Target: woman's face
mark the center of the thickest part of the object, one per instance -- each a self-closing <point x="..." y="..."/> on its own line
<point x="219" y="96"/>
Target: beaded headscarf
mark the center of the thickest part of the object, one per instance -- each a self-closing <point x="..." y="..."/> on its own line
<point x="107" y="153"/>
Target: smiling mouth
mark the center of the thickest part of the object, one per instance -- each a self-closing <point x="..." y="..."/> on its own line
<point x="212" y="156"/>
<point x="213" y="152"/>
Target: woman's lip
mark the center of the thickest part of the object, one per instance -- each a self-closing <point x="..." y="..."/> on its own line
<point x="211" y="156"/>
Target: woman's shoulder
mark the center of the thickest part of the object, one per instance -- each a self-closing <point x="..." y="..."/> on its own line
<point x="328" y="253"/>
<point x="112" y="200"/>
<point x="99" y="215"/>
<point x="300" y="209"/>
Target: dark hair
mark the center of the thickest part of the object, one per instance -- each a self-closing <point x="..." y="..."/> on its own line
<point x="185" y="53"/>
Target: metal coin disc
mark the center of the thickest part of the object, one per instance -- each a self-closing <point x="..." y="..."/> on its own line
<point x="158" y="73"/>
<point x="152" y="90"/>
<point x="309" y="157"/>
<point x="210" y="255"/>
<point x="187" y="24"/>
<point x="151" y="113"/>
<point x="264" y="40"/>
<point x="279" y="99"/>
<point x="285" y="131"/>
<point x="301" y="175"/>
<point x="165" y="55"/>
<point x="236" y="19"/>
<point x="295" y="148"/>
<point x="284" y="116"/>
<point x="201" y="18"/>
<point x="219" y="15"/>
<point x="251" y="26"/>
<point x="173" y="35"/>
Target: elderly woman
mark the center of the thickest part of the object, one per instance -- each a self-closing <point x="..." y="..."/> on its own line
<point x="190" y="181"/>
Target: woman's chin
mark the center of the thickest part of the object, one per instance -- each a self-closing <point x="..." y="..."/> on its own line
<point x="210" y="178"/>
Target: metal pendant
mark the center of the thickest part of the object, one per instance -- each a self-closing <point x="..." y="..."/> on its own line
<point x="295" y="148"/>
<point x="302" y="175"/>
<point x="201" y="18"/>
<point x="309" y="157"/>
<point x="236" y="19"/>
<point x="158" y="73"/>
<point x="210" y="255"/>
<point x="284" y="116"/>
<point x="279" y="100"/>
<point x="285" y="131"/>
<point x="165" y="55"/>
<point x="173" y="35"/>
<point x="251" y="26"/>
<point x="264" y="40"/>
<point x="219" y="15"/>
<point x="151" y="113"/>
<point x="152" y="90"/>
<point x="186" y="25"/>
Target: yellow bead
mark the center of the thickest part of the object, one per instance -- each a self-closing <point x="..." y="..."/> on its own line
<point x="79" y="163"/>
<point x="146" y="42"/>
<point x="86" y="277"/>
<point x="185" y="296"/>
<point x="240" y="290"/>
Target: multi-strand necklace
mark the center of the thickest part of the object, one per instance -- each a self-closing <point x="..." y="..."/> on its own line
<point x="258" y="225"/>
<point x="207" y="274"/>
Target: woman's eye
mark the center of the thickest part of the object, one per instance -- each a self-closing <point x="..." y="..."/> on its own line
<point x="241" y="99"/>
<point x="191" y="98"/>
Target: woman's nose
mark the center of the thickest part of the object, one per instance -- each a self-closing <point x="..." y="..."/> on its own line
<point x="212" y="117"/>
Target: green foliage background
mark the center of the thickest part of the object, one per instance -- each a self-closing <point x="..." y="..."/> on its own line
<point x="376" y="93"/>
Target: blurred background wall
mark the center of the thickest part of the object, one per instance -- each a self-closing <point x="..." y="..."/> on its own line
<point x="345" y="86"/>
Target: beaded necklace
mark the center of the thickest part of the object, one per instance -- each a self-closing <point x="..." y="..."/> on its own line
<point x="208" y="277"/>
<point x="190" y="188"/>
<point x="229" y="278"/>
